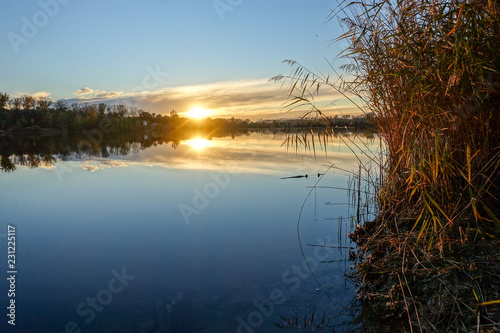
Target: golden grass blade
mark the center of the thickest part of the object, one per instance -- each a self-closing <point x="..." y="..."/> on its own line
<point x="438" y="207"/>
<point x="475" y="295"/>
<point x="490" y="214"/>
<point x="468" y="164"/>
<point x="490" y="302"/>
<point x="436" y="157"/>
<point x="418" y="220"/>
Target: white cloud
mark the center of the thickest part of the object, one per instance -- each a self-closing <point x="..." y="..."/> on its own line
<point x="89" y="167"/>
<point x="41" y="94"/>
<point x="95" y="165"/>
<point x="88" y="93"/>
<point x="113" y="164"/>
<point x="84" y="91"/>
<point x="107" y="94"/>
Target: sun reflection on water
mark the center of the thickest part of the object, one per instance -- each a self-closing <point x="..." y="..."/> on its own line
<point x="199" y="143"/>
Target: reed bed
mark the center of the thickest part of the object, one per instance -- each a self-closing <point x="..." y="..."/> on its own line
<point x="429" y="74"/>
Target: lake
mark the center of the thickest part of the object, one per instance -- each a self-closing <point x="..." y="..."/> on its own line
<point x="192" y="234"/>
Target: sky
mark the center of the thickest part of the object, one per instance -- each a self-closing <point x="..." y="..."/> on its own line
<point x="160" y="55"/>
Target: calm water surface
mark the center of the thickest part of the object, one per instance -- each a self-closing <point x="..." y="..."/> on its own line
<point x="197" y="238"/>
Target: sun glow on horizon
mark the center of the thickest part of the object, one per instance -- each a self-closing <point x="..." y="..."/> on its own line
<point x="198" y="113"/>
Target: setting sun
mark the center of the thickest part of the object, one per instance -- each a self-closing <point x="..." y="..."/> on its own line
<point x="198" y="113"/>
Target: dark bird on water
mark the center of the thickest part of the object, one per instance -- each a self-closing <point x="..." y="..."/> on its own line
<point x="296" y="177"/>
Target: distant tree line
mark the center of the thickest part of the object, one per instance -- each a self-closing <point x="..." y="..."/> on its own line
<point x="27" y="113"/>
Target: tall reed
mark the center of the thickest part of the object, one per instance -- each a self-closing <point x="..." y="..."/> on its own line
<point x="429" y="73"/>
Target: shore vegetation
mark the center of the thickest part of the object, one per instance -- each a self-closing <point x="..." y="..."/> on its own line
<point x="429" y="73"/>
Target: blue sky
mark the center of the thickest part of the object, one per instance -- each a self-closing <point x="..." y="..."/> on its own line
<point x="162" y="54"/>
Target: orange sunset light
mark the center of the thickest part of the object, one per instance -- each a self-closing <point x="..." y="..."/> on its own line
<point x="198" y="113"/>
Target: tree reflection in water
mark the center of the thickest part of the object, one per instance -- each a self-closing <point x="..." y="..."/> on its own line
<point x="36" y="151"/>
